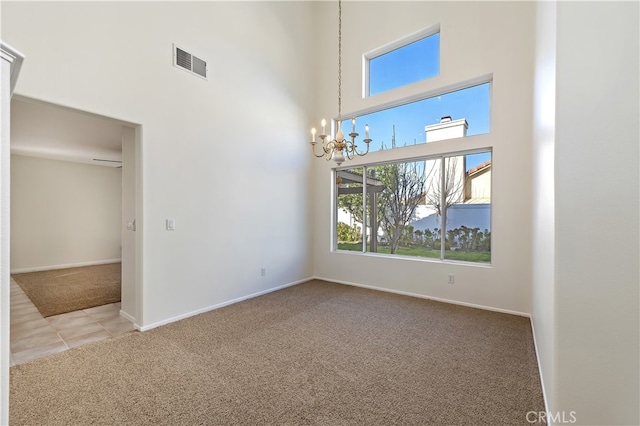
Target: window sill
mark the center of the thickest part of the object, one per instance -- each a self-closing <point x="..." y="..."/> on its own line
<point x="412" y="258"/>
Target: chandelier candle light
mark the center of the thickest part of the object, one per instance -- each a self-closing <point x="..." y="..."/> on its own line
<point x="337" y="148"/>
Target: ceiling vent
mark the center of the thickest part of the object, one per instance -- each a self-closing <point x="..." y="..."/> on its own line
<point x="188" y="62"/>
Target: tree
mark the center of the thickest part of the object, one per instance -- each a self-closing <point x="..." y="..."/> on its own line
<point x="404" y="191"/>
<point x="352" y="203"/>
<point x="453" y="187"/>
<point x="419" y="236"/>
<point x="348" y="234"/>
<point x="469" y="239"/>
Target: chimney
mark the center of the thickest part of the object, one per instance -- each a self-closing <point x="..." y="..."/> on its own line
<point x="446" y="129"/>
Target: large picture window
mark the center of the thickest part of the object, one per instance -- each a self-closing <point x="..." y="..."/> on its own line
<point x="435" y="207"/>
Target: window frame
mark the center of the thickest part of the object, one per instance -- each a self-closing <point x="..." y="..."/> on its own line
<point x="423" y="95"/>
<point x="430" y="87"/>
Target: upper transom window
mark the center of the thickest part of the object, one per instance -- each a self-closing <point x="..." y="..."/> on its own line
<point x="410" y="60"/>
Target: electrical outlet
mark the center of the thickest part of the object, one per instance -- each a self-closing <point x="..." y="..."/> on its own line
<point x="263" y="272"/>
<point x="451" y="279"/>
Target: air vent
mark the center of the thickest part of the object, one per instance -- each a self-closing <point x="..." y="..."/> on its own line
<point x="188" y="62"/>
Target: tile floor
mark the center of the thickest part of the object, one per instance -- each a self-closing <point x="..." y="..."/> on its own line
<point x="33" y="336"/>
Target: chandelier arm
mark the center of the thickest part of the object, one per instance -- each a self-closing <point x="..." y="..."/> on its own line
<point x="313" y="149"/>
<point x="350" y="145"/>
<point x="348" y="149"/>
<point x="364" y="153"/>
<point x="327" y="148"/>
<point x="330" y="150"/>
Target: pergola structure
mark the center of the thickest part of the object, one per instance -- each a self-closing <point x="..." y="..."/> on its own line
<point x="344" y="179"/>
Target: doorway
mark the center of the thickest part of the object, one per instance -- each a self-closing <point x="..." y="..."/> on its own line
<point x="45" y="135"/>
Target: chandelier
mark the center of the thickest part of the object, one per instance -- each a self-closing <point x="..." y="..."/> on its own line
<point x="339" y="147"/>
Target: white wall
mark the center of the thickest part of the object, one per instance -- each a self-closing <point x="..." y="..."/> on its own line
<point x="226" y="158"/>
<point x="597" y="253"/>
<point x="543" y="260"/>
<point x="477" y="38"/>
<point x="63" y="213"/>
<point x="129" y="304"/>
<point x="10" y="64"/>
<point x="5" y="163"/>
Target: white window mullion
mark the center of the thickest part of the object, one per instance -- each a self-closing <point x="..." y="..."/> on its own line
<point x="443" y="208"/>
<point x="364" y="210"/>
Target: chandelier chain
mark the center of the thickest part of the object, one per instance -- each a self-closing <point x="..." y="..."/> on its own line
<point x="339" y="59"/>
<point x="338" y="148"/>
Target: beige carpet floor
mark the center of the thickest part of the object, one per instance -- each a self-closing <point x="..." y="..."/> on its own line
<point x="60" y="291"/>
<point x="313" y="354"/>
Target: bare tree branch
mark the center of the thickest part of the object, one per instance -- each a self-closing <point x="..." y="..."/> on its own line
<point x="453" y="188"/>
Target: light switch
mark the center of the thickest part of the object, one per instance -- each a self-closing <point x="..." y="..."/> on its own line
<point x="171" y="224"/>
<point x="131" y="225"/>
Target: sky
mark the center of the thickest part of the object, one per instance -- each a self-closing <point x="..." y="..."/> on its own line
<point x="414" y="62"/>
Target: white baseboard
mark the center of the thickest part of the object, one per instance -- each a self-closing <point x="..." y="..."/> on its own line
<point x="219" y="305"/>
<point x="422" y="296"/>
<point x="69" y="265"/>
<point x="404" y="293"/>
<point x="535" y="346"/>
<point x="130" y="318"/>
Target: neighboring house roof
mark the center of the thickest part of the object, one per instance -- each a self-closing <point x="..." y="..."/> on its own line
<point x="480" y="168"/>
